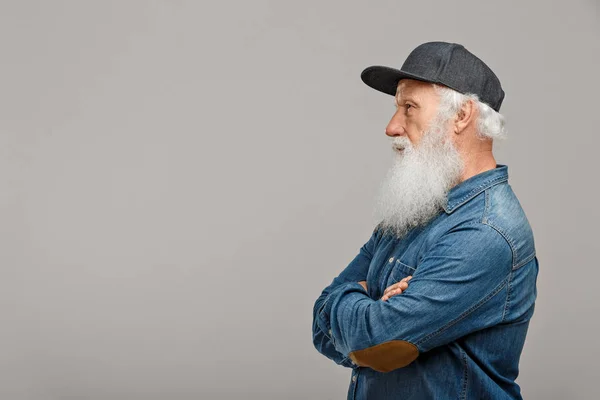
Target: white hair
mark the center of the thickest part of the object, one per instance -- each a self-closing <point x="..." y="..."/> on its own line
<point x="490" y="123"/>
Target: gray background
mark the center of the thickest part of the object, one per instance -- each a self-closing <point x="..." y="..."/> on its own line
<point x="179" y="180"/>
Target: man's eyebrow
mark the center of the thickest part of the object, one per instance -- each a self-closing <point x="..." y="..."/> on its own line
<point x="405" y="99"/>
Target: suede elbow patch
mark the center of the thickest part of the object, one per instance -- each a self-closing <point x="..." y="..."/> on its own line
<point x="386" y="357"/>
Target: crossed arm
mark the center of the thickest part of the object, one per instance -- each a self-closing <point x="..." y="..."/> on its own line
<point x="454" y="291"/>
<point x="355" y="271"/>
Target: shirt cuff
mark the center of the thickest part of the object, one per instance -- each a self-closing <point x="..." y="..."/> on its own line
<point x="323" y="319"/>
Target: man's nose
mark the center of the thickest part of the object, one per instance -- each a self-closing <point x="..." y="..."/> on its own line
<point x="396" y="126"/>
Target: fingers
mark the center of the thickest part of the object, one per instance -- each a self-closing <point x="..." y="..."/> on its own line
<point x="402" y="284"/>
<point x="396" y="288"/>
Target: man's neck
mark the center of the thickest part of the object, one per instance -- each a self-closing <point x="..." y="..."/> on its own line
<point x="478" y="163"/>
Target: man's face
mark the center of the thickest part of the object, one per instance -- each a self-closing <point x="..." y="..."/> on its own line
<point x="416" y="105"/>
<point x="417" y="184"/>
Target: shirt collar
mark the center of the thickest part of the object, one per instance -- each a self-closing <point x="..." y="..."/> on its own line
<point x="469" y="188"/>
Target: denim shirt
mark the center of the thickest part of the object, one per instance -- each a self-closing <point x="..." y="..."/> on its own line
<point x="458" y="330"/>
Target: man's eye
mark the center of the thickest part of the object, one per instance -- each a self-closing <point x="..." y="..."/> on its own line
<point x="405" y="105"/>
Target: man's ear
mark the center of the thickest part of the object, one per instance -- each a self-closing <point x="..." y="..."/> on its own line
<point x="465" y="116"/>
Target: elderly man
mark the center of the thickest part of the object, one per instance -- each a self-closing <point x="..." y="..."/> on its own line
<point x="437" y="303"/>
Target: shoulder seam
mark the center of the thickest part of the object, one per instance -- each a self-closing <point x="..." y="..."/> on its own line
<point x="513" y="247"/>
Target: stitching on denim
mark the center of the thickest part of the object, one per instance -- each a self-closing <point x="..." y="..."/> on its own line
<point x="466" y="313"/>
<point x="508" y="293"/>
<point x="484" y="185"/>
<point x="508" y="239"/>
<point x="405" y="270"/>
<point x="406" y="265"/>
<point x="485" y="206"/>
<point x="525" y="261"/>
<point x="463" y="395"/>
<point x="327" y="321"/>
<point x="477" y="190"/>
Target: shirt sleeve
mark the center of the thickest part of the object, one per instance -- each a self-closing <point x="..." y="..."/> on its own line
<point x="355" y="271"/>
<point x="454" y="291"/>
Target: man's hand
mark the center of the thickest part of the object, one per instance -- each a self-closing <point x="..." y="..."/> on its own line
<point x="396" y="288"/>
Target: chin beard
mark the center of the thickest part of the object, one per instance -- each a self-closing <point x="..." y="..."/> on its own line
<point x="416" y="187"/>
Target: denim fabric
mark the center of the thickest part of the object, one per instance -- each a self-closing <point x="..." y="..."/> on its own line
<point x="466" y="310"/>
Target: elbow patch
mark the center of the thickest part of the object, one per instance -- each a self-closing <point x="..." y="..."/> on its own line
<point x="386" y="357"/>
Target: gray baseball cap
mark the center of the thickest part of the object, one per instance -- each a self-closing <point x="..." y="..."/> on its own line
<point x="448" y="64"/>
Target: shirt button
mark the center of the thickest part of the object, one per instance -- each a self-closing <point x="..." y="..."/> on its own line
<point x="353" y="378"/>
<point x="330" y="332"/>
<point x="391" y="259"/>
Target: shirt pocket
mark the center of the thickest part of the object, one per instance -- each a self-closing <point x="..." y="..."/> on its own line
<point x="399" y="271"/>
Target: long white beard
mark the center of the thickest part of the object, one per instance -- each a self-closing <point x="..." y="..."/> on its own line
<point x="416" y="186"/>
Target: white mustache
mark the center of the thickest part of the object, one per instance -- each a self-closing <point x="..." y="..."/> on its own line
<point x="400" y="142"/>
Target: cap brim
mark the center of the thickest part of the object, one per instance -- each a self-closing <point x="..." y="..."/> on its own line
<point x="385" y="79"/>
